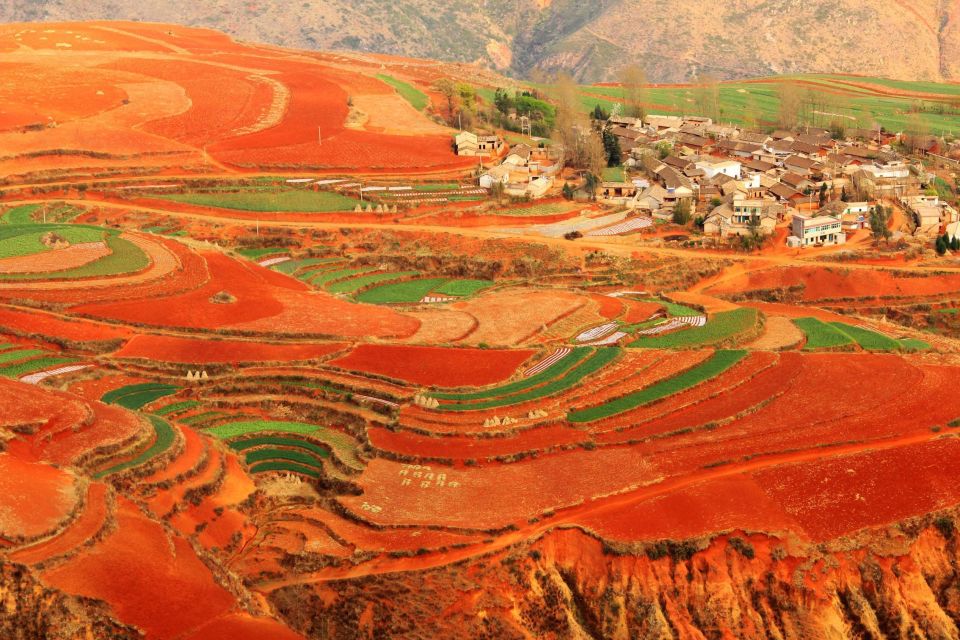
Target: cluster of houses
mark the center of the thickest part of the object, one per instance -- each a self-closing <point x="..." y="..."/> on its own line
<point x="524" y="171"/>
<point x="746" y="182"/>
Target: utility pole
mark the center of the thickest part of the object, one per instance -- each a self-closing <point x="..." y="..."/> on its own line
<point x="319" y="137"/>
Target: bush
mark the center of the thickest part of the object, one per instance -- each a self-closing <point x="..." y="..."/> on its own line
<point x="946" y="526"/>
<point x="743" y="547"/>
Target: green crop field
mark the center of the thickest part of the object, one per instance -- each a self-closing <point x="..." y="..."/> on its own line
<point x="19" y="215"/>
<point x="125" y="257"/>
<point x="721" y="328"/>
<point x="411" y="291"/>
<point x="868" y="340"/>
<point x="575" y="357"/>
<point x="165" y="436"/>
<point x="343" y="447"/>
<point x="136" y="396"/>
<point x="717" y="364"/>
<point x="24" y="240"/>
<point x="32" y="366"/>
<point x="256" y="254"/>
<point x="596" y="361"/>
<point x="263" y="201"/>
<point x="326" y="277"/>
<point x="206" y="416"/>
<point x="462" y="288"/>
<point x="821" y="335"/>
<point x="292" y="266"/>
<point x="19" y="354"/>
<point x="857" y="101"/>
<point x="279" y="441"/>
<point x="411" y="94"/>
<point x="301" y="457"/>
<point x="913" y="344"/>
<point x="176" y="407"/>
<point x="355" y="284"/>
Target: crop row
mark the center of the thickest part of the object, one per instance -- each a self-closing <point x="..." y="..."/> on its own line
<point x="722" y="328"/>
<point x="343" y="447"/>
<point x="136" y="396"/>
<point x="165" y="436"/>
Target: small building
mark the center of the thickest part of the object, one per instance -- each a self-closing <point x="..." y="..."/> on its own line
<point x="519" y="156"/>
<point x="822" y="230"/>
<point x="711" y="168"/>
<point x="471" y="144"/>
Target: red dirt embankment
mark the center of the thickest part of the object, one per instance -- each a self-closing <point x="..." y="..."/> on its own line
<point x="201" y="351"/>
<point x="435" y="366"/>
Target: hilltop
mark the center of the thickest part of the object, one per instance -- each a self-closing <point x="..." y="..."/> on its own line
<point x="673" y="39"/>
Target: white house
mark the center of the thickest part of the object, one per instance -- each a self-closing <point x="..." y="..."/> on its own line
<point x="889" y="170"/>
<point x="730" y="168"/>
<point x="823" y="230"/>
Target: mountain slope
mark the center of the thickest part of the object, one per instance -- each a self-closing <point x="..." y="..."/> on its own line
<point x="672" y="39"/>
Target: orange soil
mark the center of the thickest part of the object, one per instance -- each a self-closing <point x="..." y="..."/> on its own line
<point x="266" y="301"/>
<point x="34" y="498"/>
<point x="46" y="324"/>
<point x="435" y="366"/>
<point x="83" y="528"/>
<point x="170" y="593"/>
<point x="200" y="351"/>
<point x="510" y="317"/>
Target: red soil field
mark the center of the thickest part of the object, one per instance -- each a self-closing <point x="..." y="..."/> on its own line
<point x="833" y="283"/>
<point x="242" y="626"/>
<point x="509" y="317"/>
<point x="265" y="301"/>
<point x="83" y="37"/>
<point x="465" y="447"/>
<point x="83" y="528"/>
<point x="112" y="425"/>
<point x="34" y="498"/>
<point x="435" y="366"/>
<point x="494" y="496"/>
<point x="37" y="322"/>
<point x="221" y="99"/>
<point x="170" y="593"/>
<point x="200" y="351"/>
<point x="638" y="311"/>
<point x="610" y="308"/>
<point x="834" y="496"/>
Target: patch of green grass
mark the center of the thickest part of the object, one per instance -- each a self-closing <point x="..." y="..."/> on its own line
<point x="136" y="396"/>
<point x="301" y="201"/>
<point x="301" y="457"/>
<point x="32" y="366"/>
<point x="717" y="364"/>
<point x="255" y="254"/>
<point x="326" y="277"/>
<point x="462" y="288"/>
<point x="125" y="257"/>
<point x="867" y="339"/>
<point x="821" y="335"/>
<point x="19" y="354"/>
<point x="596" y="361"/>
<point x="176" y="407"/>
<point x="418" y="99"/>
<point x="24" y="240"/>
<point x="430" y="187"/>
<point x="614" y="174"/>
<point x="355" y="284"/>
<point x="913" y="344"/>
<point x="19" y="215"/>
<point x="164" y="439"/>
<point x="675" y="310"/>
<point x="411" y="291"/>
<point x="544" y="209"/>
<point x="279" y="441"/>
<point x="721" y="328"/>
<point x="292" y="266"/>
<point x="343" y="447"/>
<point x="575" y="357"/>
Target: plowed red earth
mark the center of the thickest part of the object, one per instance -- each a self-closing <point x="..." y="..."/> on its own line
<point x="35" y="322"/>
<point x="837" y="283"/>
<point x="200" y="351"/>
<point x="435" y="366"/>
<point x="34" y="498"/>
<point x="265" y="301"/>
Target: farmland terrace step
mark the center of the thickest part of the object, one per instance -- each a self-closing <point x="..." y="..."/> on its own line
<point x="188" y="463"/>
<point x="168" y="500"/>
<point x="113" y="430"/>
<point x="89" y="524"/>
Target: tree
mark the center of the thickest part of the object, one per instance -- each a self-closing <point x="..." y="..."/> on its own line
<point x="823" y="194"/>
<point x="599" y="114"/>
<point x="590" y="184"/>
<point x="879" y="217"/>
<point x="844" y="196"/>
<point x="497" y="191"/>
<point x="447" y="88"/>
<point x="611" y="147"/>
<point x="706" y="95"/>
<point x="791" y="101"/>
<point x="941" y="246"/>
<point x="567" y="191"/>
<point x="634" y="81"/>
<point x="503" y="101"/>
<point x="572" y="126"/>
<point x="681" y="212"/>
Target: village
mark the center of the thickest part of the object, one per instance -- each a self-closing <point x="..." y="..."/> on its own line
<point x="734" y="186"/>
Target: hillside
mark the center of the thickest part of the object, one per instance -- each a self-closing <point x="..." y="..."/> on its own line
<point x="673" y="39"/>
